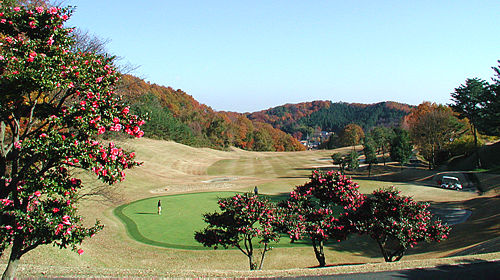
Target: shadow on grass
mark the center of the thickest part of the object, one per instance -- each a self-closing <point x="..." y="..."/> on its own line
<point x="473" y="269"/>
<point x="481" y="226"/>
<point x="145" y="213"/>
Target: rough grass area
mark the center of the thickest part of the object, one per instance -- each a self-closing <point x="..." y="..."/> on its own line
<point x="177" y="169"/>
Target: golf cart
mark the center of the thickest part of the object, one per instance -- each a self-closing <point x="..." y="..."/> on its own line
<point x="451" y="183"/>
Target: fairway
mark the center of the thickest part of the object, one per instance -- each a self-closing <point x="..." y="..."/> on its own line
<point x="182" y="216"/>
<point x="137" y="241"/>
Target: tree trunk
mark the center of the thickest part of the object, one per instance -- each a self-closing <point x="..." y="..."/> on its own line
<point x="263" y="255"/>
<point x="382" y="249"/>
<point x="476" y="148"/>
<point x="253" y="266"/>
<point x="318" y="250"/>
<point x="15" y="255"/>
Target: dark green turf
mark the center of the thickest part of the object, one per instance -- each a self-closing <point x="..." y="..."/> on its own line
<point x="181" y="217"/>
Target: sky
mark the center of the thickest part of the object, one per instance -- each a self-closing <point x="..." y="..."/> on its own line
<point x="247" y="56"/>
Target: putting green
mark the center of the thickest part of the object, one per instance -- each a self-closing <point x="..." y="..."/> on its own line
<point x="181" y="217"/>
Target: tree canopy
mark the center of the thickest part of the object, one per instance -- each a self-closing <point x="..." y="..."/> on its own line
<point x="55" y="102"/>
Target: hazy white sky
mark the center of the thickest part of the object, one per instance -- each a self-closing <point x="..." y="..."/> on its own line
<point x="251" y="55"/>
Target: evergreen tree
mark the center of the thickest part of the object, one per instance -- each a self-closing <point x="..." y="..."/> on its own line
<point x="369" y="151"/>
<point x="469" y="102"/>
<point x="401" y="147"/>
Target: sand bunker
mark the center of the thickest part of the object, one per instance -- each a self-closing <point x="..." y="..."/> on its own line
<point x="452" y="216"/>
<point x="192" y="188"/>
<point x="221" y="179"/>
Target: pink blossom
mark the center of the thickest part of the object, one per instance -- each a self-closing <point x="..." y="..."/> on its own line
<point x="17" y="9"/>
<point x="55" y="210"/>
<point x="39" y="9"/>
<point x="38" y="193"/>
<point x="32" y="24"/>
<point x="80" y="251"/>
<point x="101" y="130"/>
<point x="50" y="41"/>
<point x="53" y="10"/>
<point x="126" y="110"/>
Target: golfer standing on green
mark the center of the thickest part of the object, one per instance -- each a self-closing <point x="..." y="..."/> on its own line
<point x="159" y="207"/>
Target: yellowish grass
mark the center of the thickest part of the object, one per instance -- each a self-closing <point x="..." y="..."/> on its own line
<point x="171" y="168"/>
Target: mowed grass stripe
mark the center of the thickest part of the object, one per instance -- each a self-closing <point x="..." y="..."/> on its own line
<point x="221" y="167"/>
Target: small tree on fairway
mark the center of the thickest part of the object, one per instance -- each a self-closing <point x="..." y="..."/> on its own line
<point x="338" y="158"/>
<point x="243" y="218"/>
<point x="397" y="223"/>
<point x="317" y="210"/>
<point x="352" y="160"/>
<point x="53" y="104"/>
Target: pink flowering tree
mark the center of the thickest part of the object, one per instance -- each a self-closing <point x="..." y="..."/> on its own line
<point x="54" y="103"/>
<point x="397" y="223"/>
<point x="319" y="210"/>
<point x="242" y="219"/>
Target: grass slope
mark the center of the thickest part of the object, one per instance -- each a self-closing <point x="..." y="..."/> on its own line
<point x="170" y="169"/>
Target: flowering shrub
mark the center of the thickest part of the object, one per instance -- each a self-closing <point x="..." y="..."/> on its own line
<point x="397" y="223"/>
<point x="54" y="104"/>
<point x="319" y="210"/>
<point x="243" y="218"/>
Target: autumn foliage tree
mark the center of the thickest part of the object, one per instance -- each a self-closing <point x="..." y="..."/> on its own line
<point x="432" y="128"/>
<point x="54" y="104"/>
<point x="397" y="223"/>
<point x="242" y="219"/>
<point x="318" y="209"/>
<point x="352" y="135"/>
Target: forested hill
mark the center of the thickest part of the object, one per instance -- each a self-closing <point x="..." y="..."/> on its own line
<point x="303" y="118"/>
<point x="175" y="115"/>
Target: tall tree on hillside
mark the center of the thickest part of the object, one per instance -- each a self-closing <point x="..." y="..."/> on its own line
<point x="491" y="115"/>
<point x="54" y="104"/>
<point x="351" y="135"/>
<point x="469" y="102"/>
<point x="432" y="128"/>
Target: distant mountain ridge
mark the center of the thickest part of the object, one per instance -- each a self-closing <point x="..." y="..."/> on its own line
<point x="176" y="115"/>
<point x="306" y="117"/>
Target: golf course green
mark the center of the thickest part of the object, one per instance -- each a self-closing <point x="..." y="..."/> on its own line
<point x="181" y="216"/>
